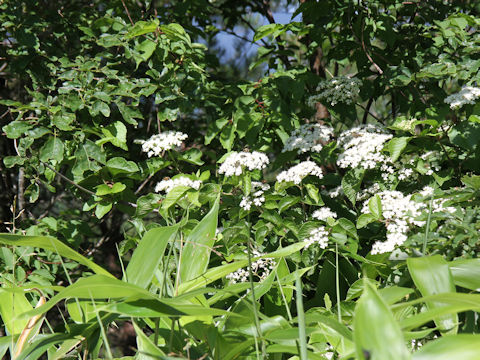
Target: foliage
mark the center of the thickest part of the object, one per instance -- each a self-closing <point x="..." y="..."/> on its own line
<point x="326" y="209"/>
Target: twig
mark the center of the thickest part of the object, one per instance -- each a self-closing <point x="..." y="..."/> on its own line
<point x="143" y="184"/>
<point x="68" y="180"/>
<point x="128" y="13"/>
<point x="367" y="110"/>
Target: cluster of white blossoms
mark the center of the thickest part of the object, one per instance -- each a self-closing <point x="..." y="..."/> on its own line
<point x="161" y="142"/>
<point x="341" y="89"/>
<point x="368" y="192"/>
<point x="236" y="162"/>
<point x="256" y="197"/>
<point x="333" y="193"/>
<point x="362" y="146"/>
<point x="169" y="184"/>
<point x="399" y="211"/>
<point x="260" y="268"/>
<point x="298" y="172"/>
<point x="308" y="137"/>
<point x="318" y="236"/>
<point x="468" y="95"/>
<point x="324" y="213"/>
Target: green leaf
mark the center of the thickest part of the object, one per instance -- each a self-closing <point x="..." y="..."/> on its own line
<point x="192" y="156"/>
<point x="431" y="275"/>
<point x="102" y="209"/>
<point x="375" y="206"/>
<point x="11" y="161"/>
<point x="94" y="287"/>
<point x="51" y="244"/>
<point x="148" y="255"/>
<point x="53" y="149"/>
<point x="16" y="129"/>
<point x="351" y="183"/>
<point x="104" y="189"/>
<point x="147" y="350"/>
<point x="472" y="181"/>
<point x="396" y="146"/>
<point x="463" y="346"/>
<point x="119" y="165"/>
<point x="466" y="273"/>
<point x="142" y="27"/>
<point x="269" y="29"/>
<point x="365" y="219"/>
<point x="198" y="246"/>
<point x="115" y="133"/>
<point x="12" y="304"/>
<point x="99" y="107"/>
<point x="129" y="113"/>
<point x="375" y="330"/>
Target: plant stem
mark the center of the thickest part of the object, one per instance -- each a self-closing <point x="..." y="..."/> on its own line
<point x="427" y="227"/>
<point x="337" y="284"/>
<point x="301" y="319"/>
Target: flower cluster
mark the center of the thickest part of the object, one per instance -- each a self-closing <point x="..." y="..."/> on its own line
<point x="260" y="268"/>
<point x="298" y="172"/>
<point x="309" y="137"/>
<point x="324" y="213"/>
<point x="362" y="147"/>
<point x="467" y="95"/>
<point x="168" y="184"/>
<point x="236" y="162"/>
<point x="333" y="193"/>
<point x="341" y="89"/>
<point x="256" y="198"/>
<point x="319" y="236"/>
<point x="161" y="142"/>
<point x="399" y="211"/>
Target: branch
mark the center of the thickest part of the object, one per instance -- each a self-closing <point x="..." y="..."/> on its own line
<point x="68" y="180"/>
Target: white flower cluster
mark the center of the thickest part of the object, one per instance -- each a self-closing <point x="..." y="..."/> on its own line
<point x="256" y="198"/>
<point x="362" y="147"/>
<point x="324" y="213"/>
<point x="298" y="172"/>
<point x="438" y="205"/>
<point x="169" y="184"/>
<point x="237" y="161"/>
<point x="341" y="89"/>
<point x="399" y="211"/>
<point x="467" y="95"/>
<point x="368" y="192"/>
<point x="333" y="193"/>
<point x="308" y="137"/>
<point x="260" y="268"/>
<point x="319" y="236"/>
<point x="160" y="142"/>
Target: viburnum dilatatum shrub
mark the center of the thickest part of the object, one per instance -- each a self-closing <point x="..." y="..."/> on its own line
<point x="313" y="198"/>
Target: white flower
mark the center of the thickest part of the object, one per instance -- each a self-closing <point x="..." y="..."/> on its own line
<point x="237" y="161"/>
<point x="160" y="142"/>
<point x="256" y="198"/>
<point x="427" y="191"/>
<point x="309" y="137"/>
<point x="362" y="147"/>
<point x="399" y="211"/>
<point x="298" y="172"/>
<point x="324" y="213"/>
<point x="467" y="95"/>
<point x="169" y="184"/>
<point x="333" y="193"/>
<point x="260" y="268"/>
<point x="318" y="235"/>
<point x="341" y="89"/>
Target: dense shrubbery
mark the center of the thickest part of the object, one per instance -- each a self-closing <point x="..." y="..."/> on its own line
<point x="328" y="209"/>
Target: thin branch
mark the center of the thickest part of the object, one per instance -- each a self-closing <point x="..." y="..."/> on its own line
<point x="68" y="180"/>
<point x="128" y="13"/>
<point x="367" y="110"/>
